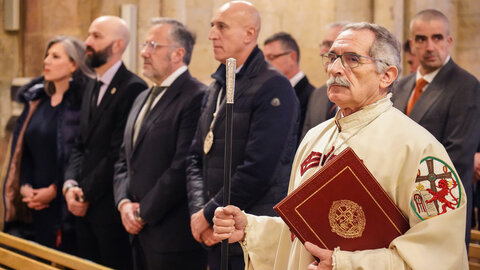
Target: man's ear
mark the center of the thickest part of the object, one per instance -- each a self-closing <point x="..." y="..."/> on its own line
<point x="177" y="55"/>
<point x="388" y="77"/>
<point x="294" y="56"/>
<point x="251" y="34"/>
<point x="118" y="45"/>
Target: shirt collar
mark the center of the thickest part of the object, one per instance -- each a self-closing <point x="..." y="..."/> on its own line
<point x="107" y="77"/>
<point x="295" y="79"/>
<point x="172" y="77"/>
<point x="430" y="76"/>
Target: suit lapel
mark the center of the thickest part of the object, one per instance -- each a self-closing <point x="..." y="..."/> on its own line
<point x="402" y="96"/>
<point x="85" y="122"/>
<point x="132" y="118"/>
<point x="108" y="98"/>
<point x="168" y="97"/>
<point x="435" y="89"/>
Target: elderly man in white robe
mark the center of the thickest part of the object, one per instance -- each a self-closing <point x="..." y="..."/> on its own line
<point x="362" y="65"/>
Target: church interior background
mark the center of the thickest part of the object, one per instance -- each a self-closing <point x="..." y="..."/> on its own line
<point x="22" y="47"/>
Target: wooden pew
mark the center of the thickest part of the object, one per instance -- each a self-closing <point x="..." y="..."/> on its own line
<point x="474" y="250"/>
<point x="13" y="250"/>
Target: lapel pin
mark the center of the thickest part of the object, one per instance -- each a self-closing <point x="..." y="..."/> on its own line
<point x="113" y="91"/>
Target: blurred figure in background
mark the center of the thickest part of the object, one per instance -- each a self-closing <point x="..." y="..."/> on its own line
<point x="43" y="139"/>
<point x="281" y="50"/>
<point x="319" y="107"/>
<point x="412" y="60"/>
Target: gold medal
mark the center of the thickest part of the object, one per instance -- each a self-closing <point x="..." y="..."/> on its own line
<point x="208" y="142"/>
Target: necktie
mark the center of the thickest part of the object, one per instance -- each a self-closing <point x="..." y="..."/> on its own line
<point x="96" y="90"/>
<point x="417" y="92"/>
<point x="143" y="113"/>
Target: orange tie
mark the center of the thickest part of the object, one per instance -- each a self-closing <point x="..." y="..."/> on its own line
<point x="417" y="92"/>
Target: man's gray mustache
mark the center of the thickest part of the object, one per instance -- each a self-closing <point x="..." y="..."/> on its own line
<point x="338" y="81"/>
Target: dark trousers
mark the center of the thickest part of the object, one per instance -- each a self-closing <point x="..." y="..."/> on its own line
<point x="46" y="226"/>
<point x="144" y="259"/>
<point x="235" y="258"/>
<point x="106" y="244"/>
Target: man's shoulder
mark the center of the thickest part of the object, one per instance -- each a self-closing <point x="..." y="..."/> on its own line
<point x="320" y="92"/>
<point x="406" y="79"/>
<point x="193" y="83"/>
<point x="304" y="84"/>
<point x="125" y="78"/>
<point x="457" y="74"/>
<point x="402" y="124"/>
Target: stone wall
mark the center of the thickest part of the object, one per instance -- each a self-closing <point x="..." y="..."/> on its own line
<point x="22" y="52"/>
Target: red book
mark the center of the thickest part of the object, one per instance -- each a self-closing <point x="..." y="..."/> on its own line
<point x="343" y="205"/>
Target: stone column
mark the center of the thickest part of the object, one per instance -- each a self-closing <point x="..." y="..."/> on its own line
<point x="354" y="11"/>
<point x="389" y="14"/>
<point x="467" y="44"/>
<point x="9" y="68"/>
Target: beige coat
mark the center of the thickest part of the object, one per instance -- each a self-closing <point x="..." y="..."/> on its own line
<point x="394" y="148"/>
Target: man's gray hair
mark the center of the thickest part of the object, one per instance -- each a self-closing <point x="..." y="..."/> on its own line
<point x="385" y="47"/>
<point x="179" y="36"/>
<point x="337" y="24"/>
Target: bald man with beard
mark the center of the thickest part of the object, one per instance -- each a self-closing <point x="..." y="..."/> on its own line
<point x="88" y="187"/>
<point x="265" y="122"/>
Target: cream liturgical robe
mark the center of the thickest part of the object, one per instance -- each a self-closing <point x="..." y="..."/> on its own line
<point x="412" y="167"/>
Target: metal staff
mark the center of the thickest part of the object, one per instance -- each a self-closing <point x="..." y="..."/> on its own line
<point x="230" y="87"/>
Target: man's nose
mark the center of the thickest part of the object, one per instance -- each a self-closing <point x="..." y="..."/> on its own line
<point x="336" y="67"/>
<point x="212" y="34"/>
<point x="429" y="44"/>
<point x="88" y="41"/>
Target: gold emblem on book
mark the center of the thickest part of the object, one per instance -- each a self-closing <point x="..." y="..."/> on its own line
<point x="347" y="219"/>
<point x="208" y="142"/>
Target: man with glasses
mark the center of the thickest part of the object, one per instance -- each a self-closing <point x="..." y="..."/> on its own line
<point x="363" y="63"/>
<point x="281" y="50"/>
<point x="442" y="97"/>
<point x="88" y="188"/>
<point x="149" y="182"/>
<point x="319" y="107"/>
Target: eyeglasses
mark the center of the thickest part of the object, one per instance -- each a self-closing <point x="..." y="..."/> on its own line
<point x="272" y="57"/>
<point x="151" y="46"/>
<point x="349" y="60"/>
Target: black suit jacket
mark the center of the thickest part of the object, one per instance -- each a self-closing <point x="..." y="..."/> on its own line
<point x="303" y="90"/>
<point x="450" y="110"/>
<point x="96" y="150"/>
<point x="152" y="172"/>
<point x="317" y="110"/>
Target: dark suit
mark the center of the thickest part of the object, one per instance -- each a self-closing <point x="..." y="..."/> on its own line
<point x="101" y="235"/>
<point x="152" y="172"/>
<point x="318" y="109"/>
<point x="303" y="90"/>
<point x="449" y="109"/>
<point x="265" y="119"/>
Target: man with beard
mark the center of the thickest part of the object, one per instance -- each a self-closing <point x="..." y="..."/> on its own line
<point x="88" y="188"/>
<point x="442" y="97"/>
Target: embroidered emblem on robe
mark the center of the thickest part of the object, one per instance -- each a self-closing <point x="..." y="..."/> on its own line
<point x="313" y="161"/>
<point x="436" y="189"/>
